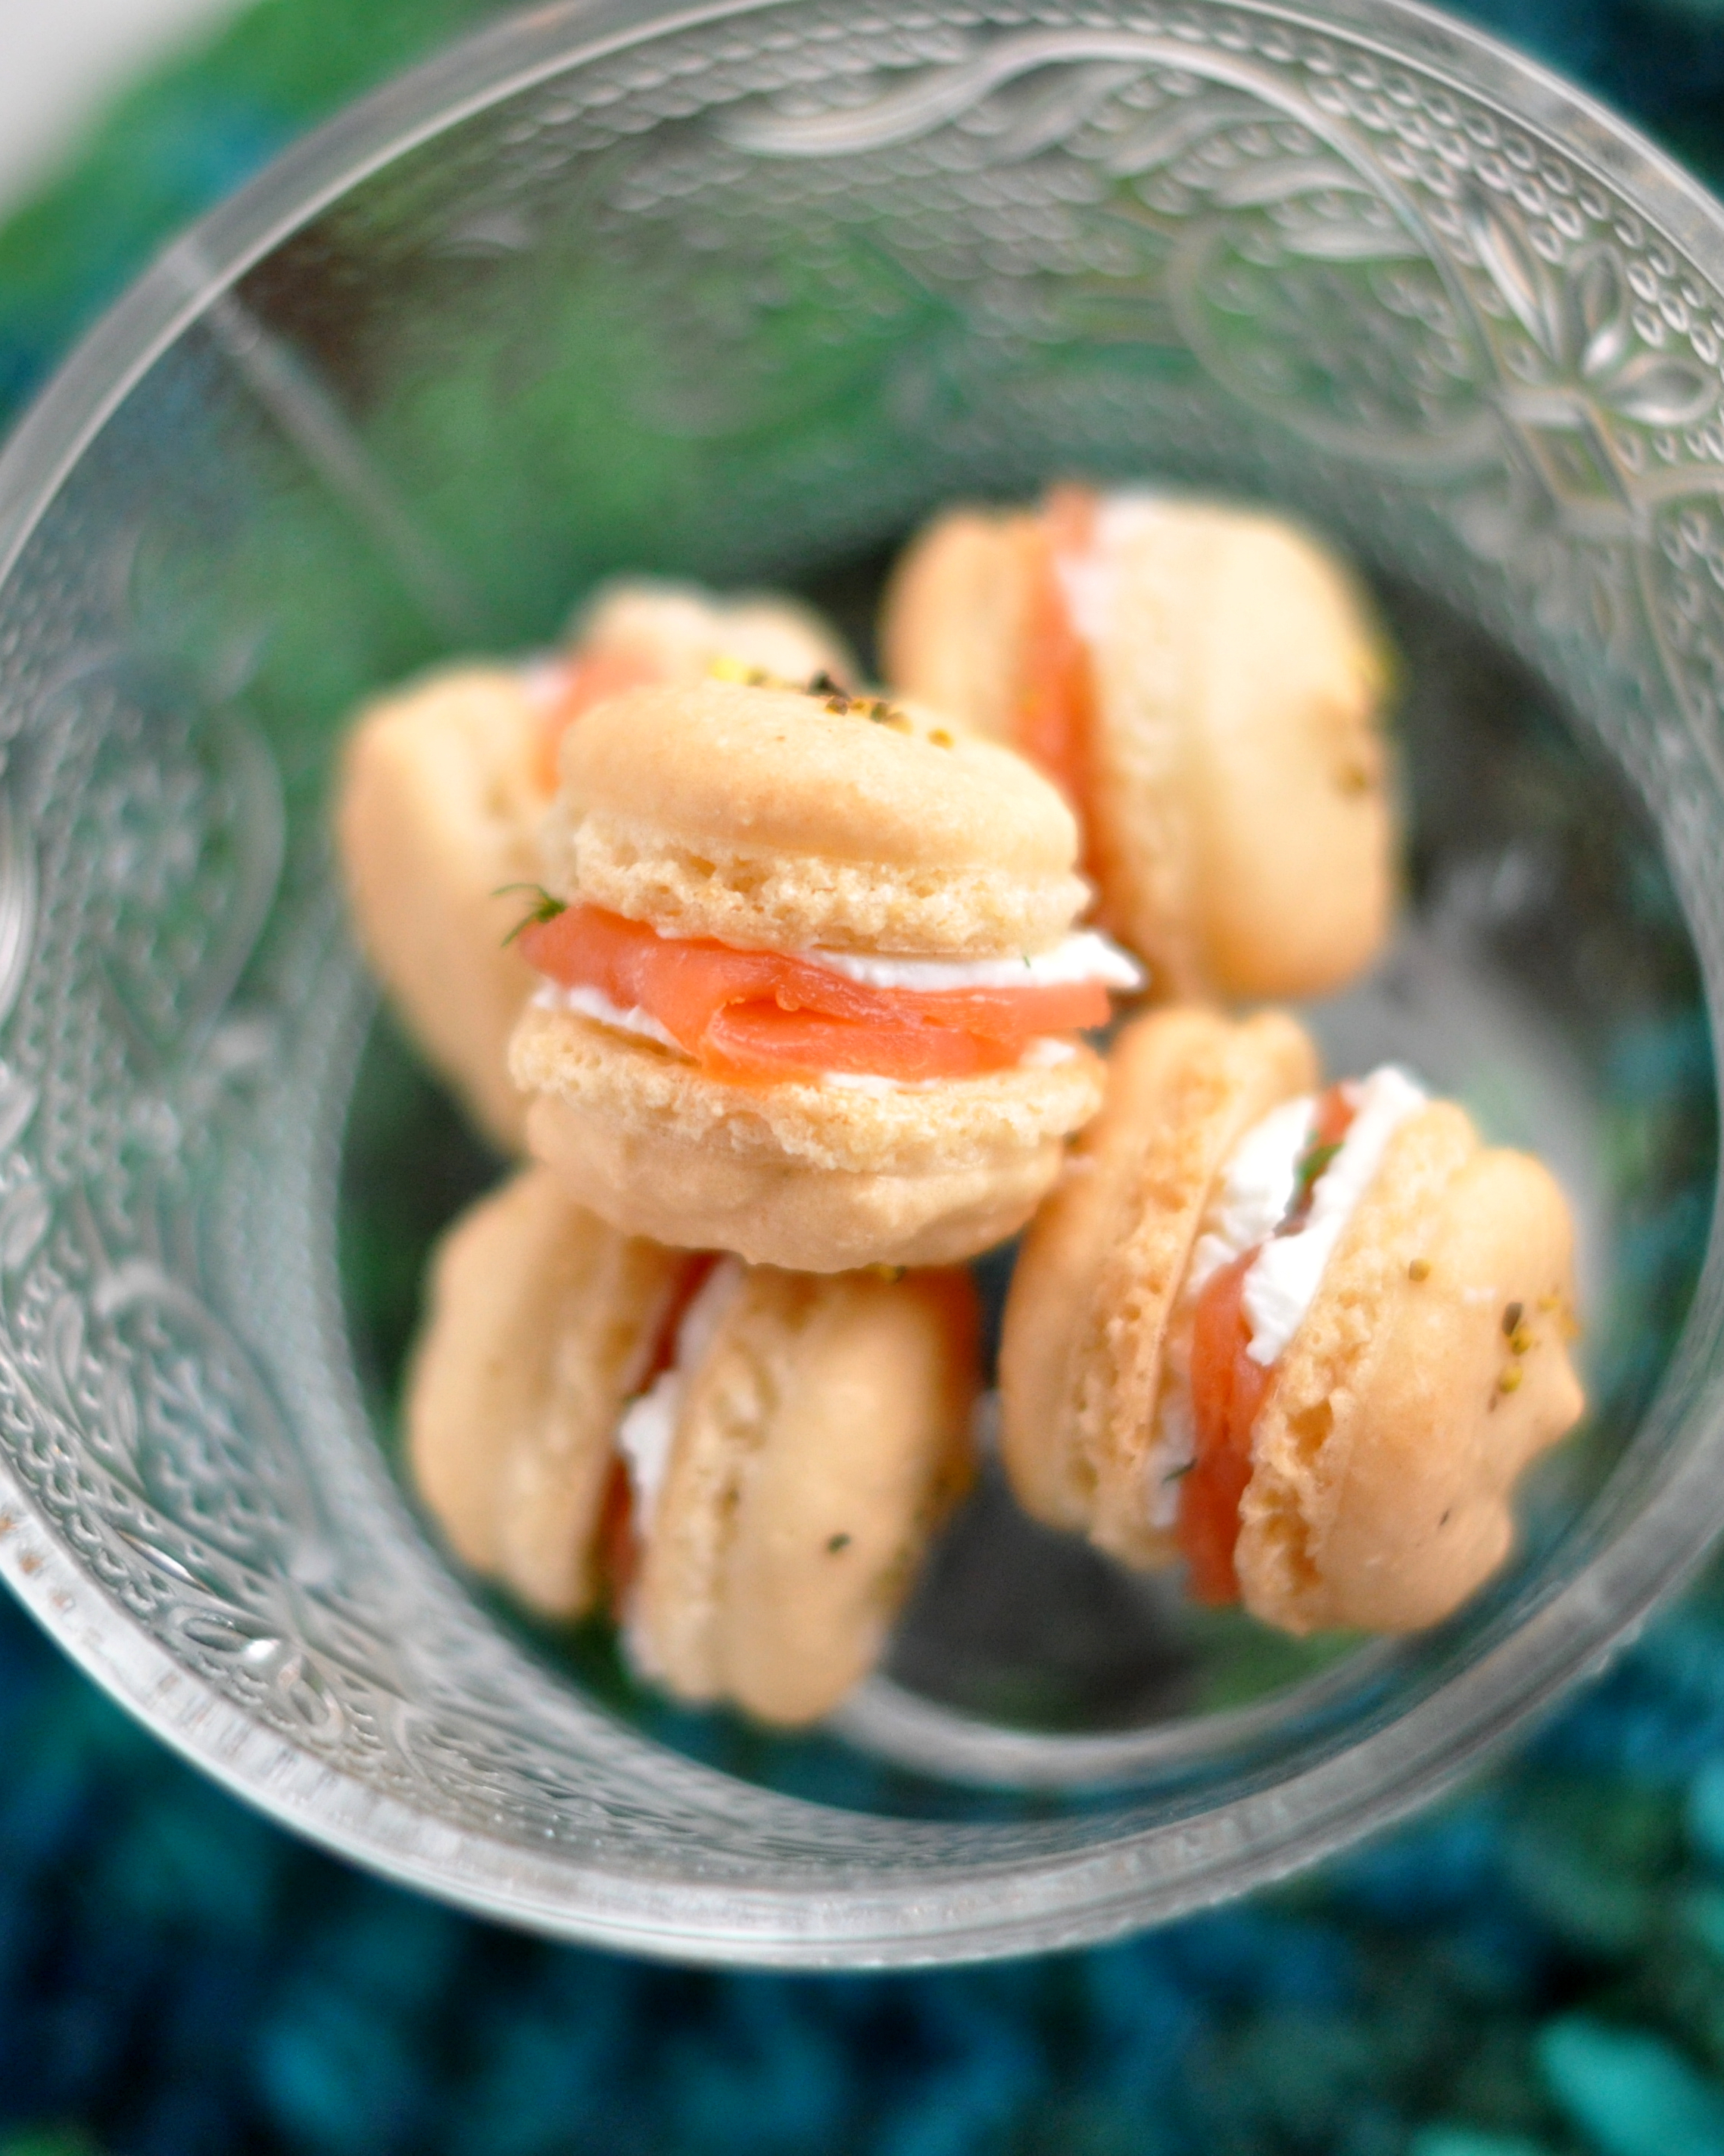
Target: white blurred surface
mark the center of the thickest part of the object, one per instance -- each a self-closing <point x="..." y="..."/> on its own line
<point x="61" y="60"/>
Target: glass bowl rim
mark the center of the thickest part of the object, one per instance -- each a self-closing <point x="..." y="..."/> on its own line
<point x="1080" y="1896"/>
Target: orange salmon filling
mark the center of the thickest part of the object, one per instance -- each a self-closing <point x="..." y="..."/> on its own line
<point x="760" y="1015"/>
<point x="1228" y="1386"/>
<point x="587" y="682"/>
<point x="1056" y="688"/>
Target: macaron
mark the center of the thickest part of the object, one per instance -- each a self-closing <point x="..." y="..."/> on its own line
<point x="443" y="784"/>
<point x="746" y="1464"/>
<point x="1206" y="683"/>
<point x="812" y="985"/>
<point x="1306" y="1341"/>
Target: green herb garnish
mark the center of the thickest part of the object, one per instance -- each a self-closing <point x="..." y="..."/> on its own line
<point x="546" y="909"/>
<point x="1316" y="1158"/>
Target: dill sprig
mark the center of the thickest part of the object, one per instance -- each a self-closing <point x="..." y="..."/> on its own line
<point x="546" y="909"/>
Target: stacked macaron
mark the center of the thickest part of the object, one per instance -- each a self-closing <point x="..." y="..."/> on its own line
<point x="1306" y="1339"/>
<point x="813" y="984"/>
<point x="444" y="784"/>
<point x="1205" y="683"/>
<point x="744" y="1464"/>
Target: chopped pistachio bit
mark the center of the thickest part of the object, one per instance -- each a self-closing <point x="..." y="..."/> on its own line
<point x="1353" y="779"/>
<point x="941" y="739"/>
<point x="1521" y="1340"/>
<point x="1510" y="1381"/>
<point x="834" y="1544"/>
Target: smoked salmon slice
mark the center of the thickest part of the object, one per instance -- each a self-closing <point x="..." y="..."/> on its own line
<point x="587" y="682"/>
<point x="761" y="1013"/>
<point x="1227" y="1382"/>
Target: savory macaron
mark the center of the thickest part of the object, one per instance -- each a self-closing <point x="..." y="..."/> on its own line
<point x="1206" y="684"/>
<point x="812" y="983"/>
<point x="746" y="1464"/>
<point x="443" y="785"/>
<point x="1306" y="1339"/>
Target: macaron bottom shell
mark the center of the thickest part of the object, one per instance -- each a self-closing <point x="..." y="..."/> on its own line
<point x="812" y="1178"/>
<point x="822" y="1440"/>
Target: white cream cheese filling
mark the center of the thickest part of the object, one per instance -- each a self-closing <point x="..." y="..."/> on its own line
<point x="1081" y="956"/>
<point x="646" y="1432"/>
<point x="648" y="1428"/>
<point x="1250" y="1202"/>
<point x="544" y="675"/>
<point x="594" y="1004"/>
<point x="1281" y="1285"/>
<point x="1089" y="581"/>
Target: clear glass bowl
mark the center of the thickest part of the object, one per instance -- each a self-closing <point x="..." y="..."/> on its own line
<point x="743" y="292"/>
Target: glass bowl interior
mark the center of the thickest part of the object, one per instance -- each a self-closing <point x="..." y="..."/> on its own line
<point x="742" y="294"/>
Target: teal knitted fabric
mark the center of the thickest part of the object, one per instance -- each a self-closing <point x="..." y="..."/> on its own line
<point x="1538" y="1966"/>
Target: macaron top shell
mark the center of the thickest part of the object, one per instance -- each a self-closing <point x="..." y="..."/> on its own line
<point x="436" y="812"/>
<point x="1098" y="1280"/>
<point x="772" y="819"/>
<point x="539" y="1322"/>
<point x="682" y="629"/>
<point x="1239" y="811"/>
<point x="823" y="1436"/>
<point x="951" y="622"/>
<point x="1238" y="819"/>
<point x="1431" y="1367"/>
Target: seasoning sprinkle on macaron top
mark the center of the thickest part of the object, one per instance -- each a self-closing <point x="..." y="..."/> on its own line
<point x="816" y="993"/>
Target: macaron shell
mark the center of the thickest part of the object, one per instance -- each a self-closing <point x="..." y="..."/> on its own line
<point x="821" y="1179"/>
<point x="1099" y="1277"/>
<point x="684" y="630"/>
<point x="777" y="820"/>
<point x="952" y="620"/>
<point x="1407" y="1403"/>
<point x="538" y="1320"/>
<point x="1293" y="851"/>
<point x="1241" y="824"/>
<point x="823" y="1437"/>
<point x="436" y="812"/>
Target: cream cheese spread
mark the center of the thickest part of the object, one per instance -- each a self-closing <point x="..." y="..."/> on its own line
<point x="1089" y="581"/>
<point x="1083" y="955"/>
<point x="648" y="1427"/>
<point x="1255" y="1190"/>
<point x="594" y="1004"/>
<point x="1280" y="1284"/>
